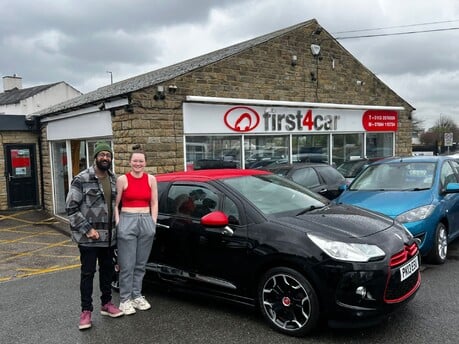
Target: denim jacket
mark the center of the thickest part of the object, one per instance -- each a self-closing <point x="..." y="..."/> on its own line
<point x="86" y="208"/>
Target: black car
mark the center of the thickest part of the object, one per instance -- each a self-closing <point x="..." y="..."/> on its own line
<point x="255" y="238"/>
<point x="318" y="177"/>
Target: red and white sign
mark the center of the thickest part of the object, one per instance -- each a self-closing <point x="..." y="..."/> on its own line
<point x="201" y="118"/>
<point x="380" y="120"/>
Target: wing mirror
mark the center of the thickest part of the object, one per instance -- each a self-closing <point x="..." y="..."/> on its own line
<point x="215" y="219"/>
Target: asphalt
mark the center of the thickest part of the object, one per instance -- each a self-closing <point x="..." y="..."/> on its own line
<point x="32" y="242"/>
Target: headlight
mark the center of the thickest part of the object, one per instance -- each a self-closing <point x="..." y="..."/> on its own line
<point x="349" y="252"/>
<point x="416" y="214"/>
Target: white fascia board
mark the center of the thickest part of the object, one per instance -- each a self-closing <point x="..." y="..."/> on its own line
<point x="92" y="109"/>
<point x="200" y="99"/>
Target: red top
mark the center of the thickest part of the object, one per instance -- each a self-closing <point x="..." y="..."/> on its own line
<point x="137" y="193"/>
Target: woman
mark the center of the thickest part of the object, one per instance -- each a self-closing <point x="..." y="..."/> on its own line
<point x="137" y="193"/>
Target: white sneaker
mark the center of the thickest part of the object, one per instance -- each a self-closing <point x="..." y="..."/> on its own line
<point x="140" y="303"/>
<point x="127" y="307"/>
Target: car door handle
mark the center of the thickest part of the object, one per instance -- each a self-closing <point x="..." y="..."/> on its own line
<point x="162" y="226"/>
<point x="227" y="231"/>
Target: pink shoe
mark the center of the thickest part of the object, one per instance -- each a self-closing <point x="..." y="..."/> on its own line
<point x="85" y="320"/>
<point x="111" y="310"/>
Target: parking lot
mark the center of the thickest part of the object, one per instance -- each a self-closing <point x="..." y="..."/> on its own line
<point x="32" y="243"/>
<point x="42" y="307"/>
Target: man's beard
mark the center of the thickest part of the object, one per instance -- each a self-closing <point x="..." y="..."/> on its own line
<point x="103" y="165"/>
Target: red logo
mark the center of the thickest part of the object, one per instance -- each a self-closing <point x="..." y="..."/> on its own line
<point x="380" y="120"/>
<point x="241" y="119"/>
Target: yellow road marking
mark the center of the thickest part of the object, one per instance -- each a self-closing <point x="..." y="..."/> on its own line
<point x="28" y="253"/>
<point x="32" y="272"/>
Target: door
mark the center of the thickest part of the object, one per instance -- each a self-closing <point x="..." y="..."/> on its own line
<point x="21" y="175"/>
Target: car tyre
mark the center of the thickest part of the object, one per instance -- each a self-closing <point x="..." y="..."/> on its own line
<point x="288" y="301"/>
<point x="439" y="250"/>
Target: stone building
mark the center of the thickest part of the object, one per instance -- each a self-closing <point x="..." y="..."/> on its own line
<point x="20" y="143"/>
<point x="293" y="94"/>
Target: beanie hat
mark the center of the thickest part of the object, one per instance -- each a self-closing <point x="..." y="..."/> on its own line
<point x="102" y="146"/>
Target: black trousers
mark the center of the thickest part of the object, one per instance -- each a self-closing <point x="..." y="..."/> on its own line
<point x="89" y="257"/>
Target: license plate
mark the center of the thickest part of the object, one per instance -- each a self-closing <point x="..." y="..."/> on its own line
<point x="409" y="268"/>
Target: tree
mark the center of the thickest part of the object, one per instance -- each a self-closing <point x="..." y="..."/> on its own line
<point x="435" y="136"/>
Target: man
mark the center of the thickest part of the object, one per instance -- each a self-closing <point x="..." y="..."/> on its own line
<point x="89" y="206"/>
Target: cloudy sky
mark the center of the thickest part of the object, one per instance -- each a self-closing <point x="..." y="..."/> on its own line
<point x="79" y="41"/>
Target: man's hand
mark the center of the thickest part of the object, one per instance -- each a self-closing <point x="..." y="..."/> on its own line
<point x="93" y="234"/>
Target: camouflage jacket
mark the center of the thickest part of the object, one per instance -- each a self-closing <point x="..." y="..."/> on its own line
<point x="86" y="208"/>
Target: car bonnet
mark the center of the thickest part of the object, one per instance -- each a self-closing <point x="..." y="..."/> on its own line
<point x="340" y="221"/>
<point x="391" y="203"/>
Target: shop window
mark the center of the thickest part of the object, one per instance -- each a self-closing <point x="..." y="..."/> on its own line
<point x="263" y="150"/>
<point x="211" y="150"/>
<point x="310" y="148"/>
<point x="379" y="145"/>
<point x="347" y="147"/>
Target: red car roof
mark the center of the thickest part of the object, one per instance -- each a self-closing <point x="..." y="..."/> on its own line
<point x="205" y="175"/>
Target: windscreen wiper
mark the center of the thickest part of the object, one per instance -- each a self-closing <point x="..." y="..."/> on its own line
<point x="312" y="207"/>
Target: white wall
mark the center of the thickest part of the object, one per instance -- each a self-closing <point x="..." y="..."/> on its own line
<point x="51" y="96"/>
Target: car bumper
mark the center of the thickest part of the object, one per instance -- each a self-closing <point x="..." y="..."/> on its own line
<point x="364" y="297"/>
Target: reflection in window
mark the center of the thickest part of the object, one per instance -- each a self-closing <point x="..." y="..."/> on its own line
<point x="379" y="145"/>
<point x="310" y="148"/>
<point x="213" y="148"/>
<point x="191" y="201"/>
<point x="347" y="147"/>
<point x="263" y="150"/>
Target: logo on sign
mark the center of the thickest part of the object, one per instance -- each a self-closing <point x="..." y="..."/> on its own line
<point x="380" y="120"/>
<point x="241" y="119"/>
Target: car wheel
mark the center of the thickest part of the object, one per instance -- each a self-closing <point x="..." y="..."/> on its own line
<point x="440" y="247"/>
<point x="288" y="301"/>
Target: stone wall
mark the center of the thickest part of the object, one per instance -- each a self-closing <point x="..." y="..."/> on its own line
<point x="262" y="72"/>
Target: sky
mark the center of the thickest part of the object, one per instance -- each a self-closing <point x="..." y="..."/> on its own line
<point x="87" y="42"/>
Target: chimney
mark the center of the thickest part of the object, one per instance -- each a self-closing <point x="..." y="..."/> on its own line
<point x="12" y="82"/>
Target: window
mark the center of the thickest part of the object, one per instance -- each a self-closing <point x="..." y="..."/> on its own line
<point x="191" y="201"/>
<point x="306" y="176"/>
<point x="310" y="148"/>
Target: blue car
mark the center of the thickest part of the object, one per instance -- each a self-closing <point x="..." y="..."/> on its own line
<point x="421" y="192"/>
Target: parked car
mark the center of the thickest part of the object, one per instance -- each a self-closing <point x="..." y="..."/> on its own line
<point x="321" y="178"/>
<point x="422" y="192"/>
<point x="351" y="168"/>
<point x="259" y="239"/>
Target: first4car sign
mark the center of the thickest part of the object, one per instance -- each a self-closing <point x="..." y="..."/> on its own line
<point x="224" y="119"/>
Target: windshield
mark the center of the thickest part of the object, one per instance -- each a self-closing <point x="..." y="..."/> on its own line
<point x="398" y="176"/>
<point x="272" y="194"/>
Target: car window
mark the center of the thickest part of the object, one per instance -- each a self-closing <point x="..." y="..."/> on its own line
<point x="330" y="174"/>
<point x="395" y="176"/>
<point x="351" y="168"/>
<point x="447" y="175"/>
<point x="191" y="200"/>
<point x="231" y="210"/>
<point x="306" y="176"/>
<point x="272" y="194"/>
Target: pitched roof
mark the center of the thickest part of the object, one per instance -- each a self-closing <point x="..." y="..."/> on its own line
<point x="16" y="95"/>
<point x="166" y="73"/>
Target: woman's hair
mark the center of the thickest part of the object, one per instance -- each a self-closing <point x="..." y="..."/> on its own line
<point x="138" y="149"/>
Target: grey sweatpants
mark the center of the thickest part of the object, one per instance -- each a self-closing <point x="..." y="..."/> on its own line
<point x="136" y="232"/>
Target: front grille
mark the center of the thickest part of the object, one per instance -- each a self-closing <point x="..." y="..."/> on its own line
<point x="396" y="290"/>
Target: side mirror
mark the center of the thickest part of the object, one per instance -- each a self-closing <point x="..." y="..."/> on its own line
<point x="215" y="219"/>
<point x="342" y="187"/>
<point x="452" y="188"/>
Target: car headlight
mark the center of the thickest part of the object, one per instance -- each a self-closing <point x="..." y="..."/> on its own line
<point x="349" y="252"/>
<point x="416" y="214"/>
